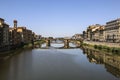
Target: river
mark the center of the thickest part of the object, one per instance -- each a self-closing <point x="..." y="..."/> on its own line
<point x="58" y="64"/>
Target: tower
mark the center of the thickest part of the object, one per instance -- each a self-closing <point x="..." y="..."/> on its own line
<point x="15" y="23"/>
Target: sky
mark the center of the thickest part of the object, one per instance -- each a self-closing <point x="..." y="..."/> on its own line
<point x="59" y="18"/>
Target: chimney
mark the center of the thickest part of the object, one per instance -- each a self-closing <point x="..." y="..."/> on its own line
<point x="15" y="23"/>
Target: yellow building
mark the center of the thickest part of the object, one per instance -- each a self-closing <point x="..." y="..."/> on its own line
<point x="95" y="33"/>
<point x="26" y="34"/>
<point x="98" y="34"/>
<point x="90" y="30"/>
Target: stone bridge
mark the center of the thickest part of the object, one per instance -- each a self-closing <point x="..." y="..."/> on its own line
<point x="65" y="41"/>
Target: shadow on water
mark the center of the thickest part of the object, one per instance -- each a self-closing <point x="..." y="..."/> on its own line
<point x="5" y="56"/>
<point x="111" y="62"/>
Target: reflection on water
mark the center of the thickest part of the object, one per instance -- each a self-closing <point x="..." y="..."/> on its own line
<point x="43" y="45"/>
<point x="58" y="45"/>
<point x="110" y="61"/>
<point x="60" y="64"/>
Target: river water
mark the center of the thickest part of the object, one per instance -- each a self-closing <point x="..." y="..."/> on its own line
<point x="60" y="64"/>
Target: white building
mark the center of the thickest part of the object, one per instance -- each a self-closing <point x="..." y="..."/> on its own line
<point x="112" y="31"/>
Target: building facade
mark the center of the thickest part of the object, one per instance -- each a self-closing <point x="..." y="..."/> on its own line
<point x="77" y="36"/>
<point x="14" y="36"/>
<point x="85" y="35"/>
<point x="29" y="35"/>
<point x="98" y="34"/>
<point x="22" y="31"/>
<point x="91" y="31"/>
<point x="94" y="33"/>
<point x="4" y="35"/>
<point x="19" y="35"/>
<point x="112" y="31"/>
<point x="26" y="34"/>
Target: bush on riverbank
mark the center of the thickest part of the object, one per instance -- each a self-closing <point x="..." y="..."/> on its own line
<point x="85" y="44"/>
<point x="31" y="45"/>
<point x="39" y="42"/>
<point x="108" y="49"/>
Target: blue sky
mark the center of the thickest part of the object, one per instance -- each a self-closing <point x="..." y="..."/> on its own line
<point x="59" y="18"/>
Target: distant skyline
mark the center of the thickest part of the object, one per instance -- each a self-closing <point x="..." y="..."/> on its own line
<point x="59" y="18"/>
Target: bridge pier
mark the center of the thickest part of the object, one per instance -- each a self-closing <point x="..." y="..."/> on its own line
<point x="48" y="43"/>
<point x="66" y="43"/>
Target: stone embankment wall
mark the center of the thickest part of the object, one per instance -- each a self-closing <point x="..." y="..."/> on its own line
<point x="103" y="43"/>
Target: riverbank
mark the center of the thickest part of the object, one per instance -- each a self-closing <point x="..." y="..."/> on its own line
<point x="4" y="55"/>
<point x="102" y="46"/>
<point x="7" y="54"/>
<point x="108" y="44"/>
